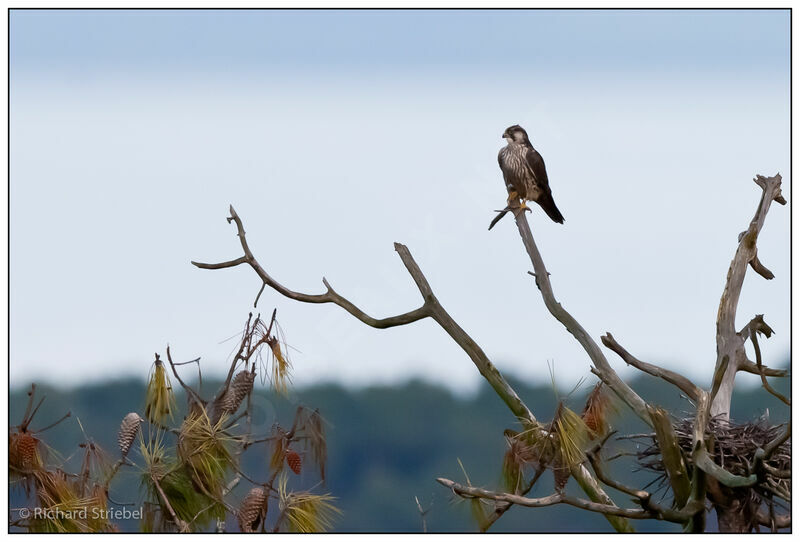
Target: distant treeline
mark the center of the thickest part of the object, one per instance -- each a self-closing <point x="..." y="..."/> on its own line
<point x="386" y="445"/>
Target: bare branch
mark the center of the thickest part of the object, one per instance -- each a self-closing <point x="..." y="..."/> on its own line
<point x="330" y="296"/>
<point x="671" y="456"/>
<point x="730" y="345"/>
<point x="195" y="360"/>
<point x="764" y="382"/>
<point x="592" y="488"/>
<point x="190" y="393"/>
<point x="560" y="498"/>
<point x="500" y="214"/>
<point x="759" y="268"/>
<point x="422" y="513"/>
<point x="25" y="417"/>
<point x="706" y="464"/>
<point x="603" y="476"/>
<point x="550" y="500"/>
<point x="698" y="483"/>
<point x="764" y="183"/>
<point x="773" y="446"/>
<point x="29" y="418"/>
<point x="697" y="524"/>
<point x="223" y="265"/>
<point x="431" y="308"/>
<point x="258" y="296"/>
<point x="58" y="421"/>
<point x="503" y="507"/>
<point x="778" y="473"/>
<point x="182" y="525"/>
<point x="757" y="324"/>
<point x="750" y="367"/>
<point x="643" y="497"/>
<point x="610" y="377"/>
<point x="683" y="383"/>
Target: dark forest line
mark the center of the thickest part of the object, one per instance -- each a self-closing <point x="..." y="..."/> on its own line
<point x="386" y="445"/>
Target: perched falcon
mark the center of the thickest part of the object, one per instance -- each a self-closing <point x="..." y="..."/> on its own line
<point x="525" y="175"/>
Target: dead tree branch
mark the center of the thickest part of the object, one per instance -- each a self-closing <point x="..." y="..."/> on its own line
<point x="502" y="507"/>
<point x="680" y="381"/>
<point x="671" y="455"/>
<point x="609" y="376"/>
<point x="190" y="393"/>
<point x="773" y="446"/>
<point x="179" y="523"/>
<point x="756" y="324"/>
<point x="603" y="476"/>
<point x="749" y="367"/>
<point x="679" y="516"/>
<point x="58" y="421"/>
<point x="431" y="308"/>
<point x="330" y="295"/>
<point x="422" y="513"/>
<point x="730" y="344"/>
<point x="764" y="381"/>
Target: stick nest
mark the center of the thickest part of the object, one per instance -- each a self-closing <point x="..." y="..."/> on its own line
<point x="734" y="449"/>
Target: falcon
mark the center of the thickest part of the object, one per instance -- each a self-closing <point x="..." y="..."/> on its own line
<point x="525" y="176"/>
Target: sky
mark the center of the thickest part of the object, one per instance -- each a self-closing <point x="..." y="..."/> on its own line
<point x="336" y="133"/>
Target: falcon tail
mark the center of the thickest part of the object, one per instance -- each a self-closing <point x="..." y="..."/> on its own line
<point x="552" y="211"/>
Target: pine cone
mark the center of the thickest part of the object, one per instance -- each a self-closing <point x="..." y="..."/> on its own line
<point x="560" y="478"/>
<point x="592" y="421"/>
<point x="240" y="386"/>
<point x="597" y="410"/>
<point x="252" y="510"/>
<point x="127" y="432"/>
<point x="27" y="450"/>
<point x="294" y="461"/>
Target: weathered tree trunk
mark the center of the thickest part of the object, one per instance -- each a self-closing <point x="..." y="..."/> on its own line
<point x="731" y="356"/>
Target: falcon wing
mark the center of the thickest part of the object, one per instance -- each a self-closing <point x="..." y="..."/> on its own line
<point x="536" y="164"/>
<point x="544" y="197"/>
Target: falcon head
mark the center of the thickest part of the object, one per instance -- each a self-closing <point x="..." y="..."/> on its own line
<point x="516" y="134"/>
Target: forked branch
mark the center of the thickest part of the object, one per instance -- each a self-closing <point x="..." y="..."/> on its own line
<point x="329" y="296"/>
<point x="431" y="308"/>
<point x="731" y="355"/>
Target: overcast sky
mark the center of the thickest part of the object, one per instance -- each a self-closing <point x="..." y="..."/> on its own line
<point x="336" y="133"/>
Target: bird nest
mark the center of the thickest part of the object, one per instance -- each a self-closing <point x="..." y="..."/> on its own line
<point x="734" y="449"/>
